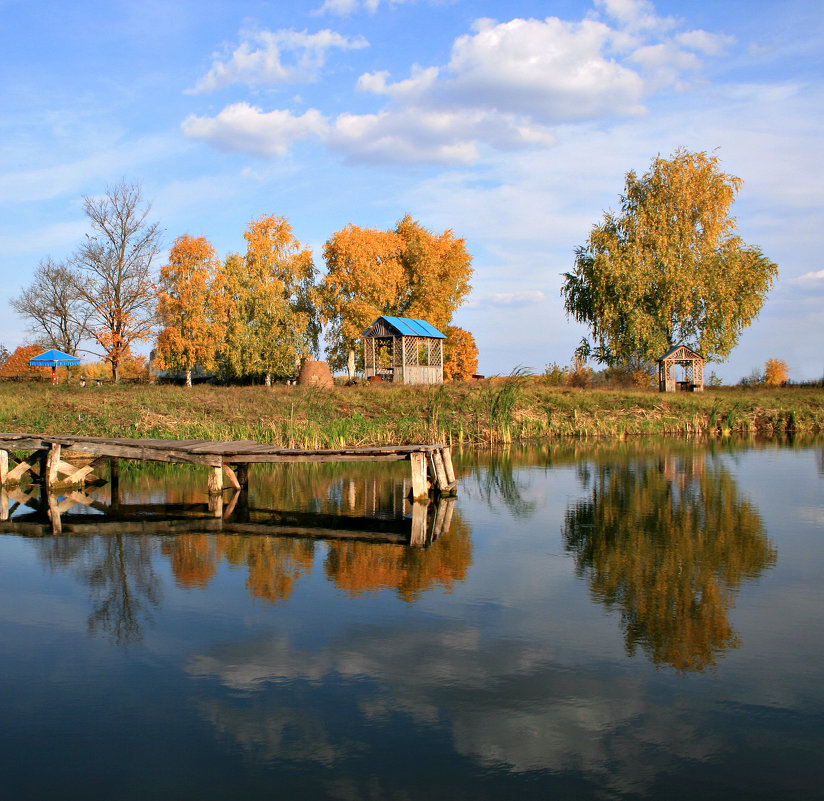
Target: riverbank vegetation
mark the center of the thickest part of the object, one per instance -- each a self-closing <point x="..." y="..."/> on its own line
<point x="493" y="411"/>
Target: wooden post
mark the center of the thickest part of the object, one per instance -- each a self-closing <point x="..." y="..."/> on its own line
<point x="215" y="480"/>
<point x="4" y="467"/>
<point x="439" y="470"/>
<point x="52" y="461"/>
<point x="4" y="504"/>
<point x="419" y="489"/>
<point x="446" y="453"/>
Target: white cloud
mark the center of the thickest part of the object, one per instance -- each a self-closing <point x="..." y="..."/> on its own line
<point x="505" y="86"/>
<point x="345" y="8"/>
<point x="552" y="70"/>
<point x="525" y="298"/>
<point x="814" y="276"/>
<point x="258" y="59"/>
<point x="248" y="129"/>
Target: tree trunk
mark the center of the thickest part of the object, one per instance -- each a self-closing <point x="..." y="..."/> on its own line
<point x="268" y="379"/>
<point x="189" y="377"/>
<point x="115" y="371"/>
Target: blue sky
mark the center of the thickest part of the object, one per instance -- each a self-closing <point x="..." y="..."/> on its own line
<point x="511" y="123"/>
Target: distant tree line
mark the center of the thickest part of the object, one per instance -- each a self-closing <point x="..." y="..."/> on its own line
<point x="251" y="315"/>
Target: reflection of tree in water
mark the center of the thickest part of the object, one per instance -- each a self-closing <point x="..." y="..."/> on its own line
<point x="668" y="543"/>
<point x="497" y="482"/>
<point x="274" y="563"/>
<point x="118" y="570"/>
<point x="359" y="567"/>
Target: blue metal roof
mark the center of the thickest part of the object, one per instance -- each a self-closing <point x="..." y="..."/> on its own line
<point x="409" y="327"/>
<point x="54" y="358"/>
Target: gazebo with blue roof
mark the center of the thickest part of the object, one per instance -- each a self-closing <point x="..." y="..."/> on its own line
<point x="403" y="350"/>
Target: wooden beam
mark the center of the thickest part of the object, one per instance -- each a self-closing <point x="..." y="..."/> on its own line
<point x="230" y="474"/>
<point x="446" y="453"/>
<point x="436" y="463"/>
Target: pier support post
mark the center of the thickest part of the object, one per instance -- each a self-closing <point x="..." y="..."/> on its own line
<point x="215" y="480"/>
<point x="4" y="504"/>
<point x="4" y="467"/>
<point x="446" y="453"/>
<point x="52" y="461"/>
<point x="419" y="489"/>
<point x="242" y="473"/>
<point x="436" y="463"/>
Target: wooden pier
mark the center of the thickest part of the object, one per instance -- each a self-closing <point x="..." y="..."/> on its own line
<point x="63" y="461"/>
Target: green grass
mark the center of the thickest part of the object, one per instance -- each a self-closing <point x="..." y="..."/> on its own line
<point x="493" y="411"/>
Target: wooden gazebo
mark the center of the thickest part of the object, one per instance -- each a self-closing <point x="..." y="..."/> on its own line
<point x="688" y="362"/>
<point x="403" y="350"/>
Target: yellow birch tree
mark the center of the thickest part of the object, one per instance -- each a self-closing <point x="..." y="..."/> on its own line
<point x="271" y="317"/>
<point x="668" y="268"/>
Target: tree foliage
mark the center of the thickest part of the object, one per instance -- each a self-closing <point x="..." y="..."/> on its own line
<point x="55" y="308"/>
<point x="460" y="361"/>
<point x="189" y="305"/>
<point x="17" y="366"/>
<point x="406" y="272"/>
<point x="271" y="320"/>
<point x="116" y="266"/>
<point x="668" y="268"/>
<point x="775" y="372"/>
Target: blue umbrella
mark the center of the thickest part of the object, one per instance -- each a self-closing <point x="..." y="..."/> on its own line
<point x="54" y="359"/>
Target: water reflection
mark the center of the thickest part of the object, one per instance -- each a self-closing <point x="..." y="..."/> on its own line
<point x="118" y="569"/>
<point x="362" y="516"/>
<point x="668" y="541"/>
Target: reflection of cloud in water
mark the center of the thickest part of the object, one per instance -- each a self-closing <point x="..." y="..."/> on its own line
<point x="509" y="707"/>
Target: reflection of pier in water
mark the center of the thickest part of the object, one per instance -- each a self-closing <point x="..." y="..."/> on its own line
<point x="34" y="511"/>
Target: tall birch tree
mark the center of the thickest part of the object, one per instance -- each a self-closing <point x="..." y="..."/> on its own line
<point x="271" y="319"/>
<point x="669" y="267"/>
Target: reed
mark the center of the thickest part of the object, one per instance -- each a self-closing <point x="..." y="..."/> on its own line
<point x="496" y="411"/>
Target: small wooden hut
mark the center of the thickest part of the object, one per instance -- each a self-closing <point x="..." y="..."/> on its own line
<point x="691" y="367"/>
<point x="403" y="350"/>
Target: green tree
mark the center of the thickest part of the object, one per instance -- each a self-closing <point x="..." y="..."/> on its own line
<point x="271" y="320"/>
<point x="668" y="268"/>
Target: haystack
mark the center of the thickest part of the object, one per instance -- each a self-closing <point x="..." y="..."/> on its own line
<point x="315" y="374"/>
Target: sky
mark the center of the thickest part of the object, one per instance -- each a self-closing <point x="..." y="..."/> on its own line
<point x="511" y="123"/>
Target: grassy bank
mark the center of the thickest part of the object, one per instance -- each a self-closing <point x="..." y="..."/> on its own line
<point x="492" y="411"/>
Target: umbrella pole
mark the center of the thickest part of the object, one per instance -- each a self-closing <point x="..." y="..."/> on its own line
<point x="54" y="374"/>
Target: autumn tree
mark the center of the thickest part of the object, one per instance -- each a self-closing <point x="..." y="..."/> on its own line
<point x="115" y="263"/>
<point x="189" y="305"/>
<point x="16" y="365"/>
<point x="57" y="312"/>
<point x="668" y="268"/>
<point x="271" y="319"/>
<point x="775" y="372"/>
<point x="406" y="272"/>
<point x="460" y="361"/>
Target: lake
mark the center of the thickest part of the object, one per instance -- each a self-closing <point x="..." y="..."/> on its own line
<point x="638" y="620"/>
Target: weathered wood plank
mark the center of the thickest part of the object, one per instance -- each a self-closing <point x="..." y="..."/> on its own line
<point x="4" y="467"/>
<point x="420" y="490"/>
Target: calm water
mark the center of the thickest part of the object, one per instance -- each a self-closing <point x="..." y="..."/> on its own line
<point x="640" y="621"/>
